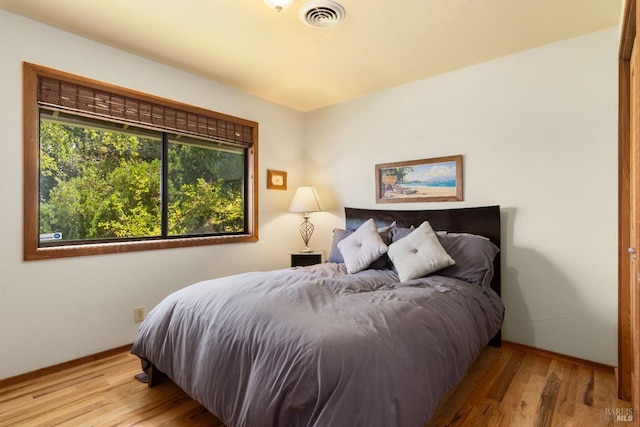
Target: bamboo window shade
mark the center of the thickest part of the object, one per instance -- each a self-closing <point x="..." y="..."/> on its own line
<point x="65" y="96"/>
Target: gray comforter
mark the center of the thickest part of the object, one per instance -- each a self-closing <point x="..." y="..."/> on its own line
<point x="315" y="346"/>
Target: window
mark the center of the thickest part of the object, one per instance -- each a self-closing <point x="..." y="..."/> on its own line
<point x="111" y="170"/>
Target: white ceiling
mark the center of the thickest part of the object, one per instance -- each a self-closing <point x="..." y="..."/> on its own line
<point x="274" y="55"/>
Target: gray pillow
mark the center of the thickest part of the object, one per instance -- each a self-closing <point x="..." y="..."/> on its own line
<point x="398" y="233"/>
<point x="473" y="255"/>
<point x="338" y="235"/>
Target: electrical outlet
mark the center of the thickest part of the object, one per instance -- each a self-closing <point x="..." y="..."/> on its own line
<point x="138" y="314"/>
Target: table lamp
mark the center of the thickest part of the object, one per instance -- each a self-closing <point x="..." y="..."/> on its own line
<point x="305" y="200"/>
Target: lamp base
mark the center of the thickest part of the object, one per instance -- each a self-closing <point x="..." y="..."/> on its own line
<point x="306" y="230"/>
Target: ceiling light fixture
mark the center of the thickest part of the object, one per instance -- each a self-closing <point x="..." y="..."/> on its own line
<point x="278" y="5"/>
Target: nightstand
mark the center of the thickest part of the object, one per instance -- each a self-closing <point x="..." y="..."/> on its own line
<point x="301" y="259"/>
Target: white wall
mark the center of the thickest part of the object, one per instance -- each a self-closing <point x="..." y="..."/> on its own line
<point x="538" y="131"/>
<point x="538" y="135"/>
<point x="54" y="311"/>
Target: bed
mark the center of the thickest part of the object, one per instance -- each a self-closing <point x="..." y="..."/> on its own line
<point x="326" y="345"/>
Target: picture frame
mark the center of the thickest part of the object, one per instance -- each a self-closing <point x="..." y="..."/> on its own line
<point x="438" y="179"/>
<point x="276" y="180"/>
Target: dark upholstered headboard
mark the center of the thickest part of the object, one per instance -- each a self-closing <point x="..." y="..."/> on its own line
<point x="484" y="221"/>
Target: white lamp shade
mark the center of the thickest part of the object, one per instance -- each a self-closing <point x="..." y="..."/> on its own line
<point x="305" y="200"/>
<point x="278" y="4"/>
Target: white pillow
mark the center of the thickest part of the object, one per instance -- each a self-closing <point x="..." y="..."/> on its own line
<point x="418" y="254"/>
<point x="362" y="247"/>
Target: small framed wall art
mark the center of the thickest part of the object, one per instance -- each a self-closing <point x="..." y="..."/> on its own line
<point x="276" y="180"/>
<point x="428" y="180"/>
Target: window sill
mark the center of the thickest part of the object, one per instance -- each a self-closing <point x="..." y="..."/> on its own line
<point x="33" y="254"/>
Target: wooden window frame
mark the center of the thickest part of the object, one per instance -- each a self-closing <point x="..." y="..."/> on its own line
<point x="31" y="169"/>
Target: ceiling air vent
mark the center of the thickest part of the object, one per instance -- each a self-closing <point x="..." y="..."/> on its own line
<point x="321" y="13"/>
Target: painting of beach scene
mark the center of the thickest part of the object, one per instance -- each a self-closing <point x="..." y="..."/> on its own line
<point x="428" y="180"/>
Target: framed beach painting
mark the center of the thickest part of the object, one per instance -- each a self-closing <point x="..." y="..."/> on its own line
<point x="427" y="180"/>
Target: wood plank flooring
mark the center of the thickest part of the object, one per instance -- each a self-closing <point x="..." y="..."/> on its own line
<point x="504" y="387"/>
<point x="509" y="387"/>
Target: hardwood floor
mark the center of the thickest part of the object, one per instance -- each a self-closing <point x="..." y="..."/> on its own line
<point x="510" y="387"/>
<point x="100" y="393"/>
<point x="504" y="387"/>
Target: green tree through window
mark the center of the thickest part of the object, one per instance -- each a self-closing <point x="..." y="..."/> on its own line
<point x="100" y="181"/>
<point x="110" y="170"/>
<point x="205" y="188"/>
